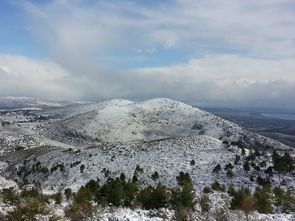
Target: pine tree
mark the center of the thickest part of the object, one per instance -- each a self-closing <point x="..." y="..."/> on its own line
<point x="246" y="166"/>
<point x="263" y="200"/>
<point x="155" y="176"/>
<point x="217" y="169"/>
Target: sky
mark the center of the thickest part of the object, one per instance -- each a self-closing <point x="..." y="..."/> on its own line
<point x="225" y="53"/>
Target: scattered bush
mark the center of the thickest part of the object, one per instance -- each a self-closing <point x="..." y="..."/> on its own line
<point x="263" y="200"/>
<point x="82" y="168"/>
<point x="28" y="211"/>
<point x="68" y="193"/>
<point x="216" y="186"/>
<point x="154" y="198"/>
<point x="80" y="211"/>
<point x="205" y="203"/>
<point x="183" y="178"/>
<point x="9" y="196"/>
<point x="207" y="189"/>
<point x="238" y="197"/>
<point x="155" y="176"/>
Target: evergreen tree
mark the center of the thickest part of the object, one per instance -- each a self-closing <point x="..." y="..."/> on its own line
<point x="154" y="198"/>
<point x="246" y="166"/>
<point x="229" y="173"/>
<point x="217" y="169"/>
<point x="68" y="193"/>
<point x="238" y="196"/>
<point x="205" y="203"/>
<point x="184" y="197"/>
<point x="263" y="200"/>
<point x="183" y="178"/>
<point x="155" y="176"/>
<point x="237" y="160"/>
<point x="289" y="161"/>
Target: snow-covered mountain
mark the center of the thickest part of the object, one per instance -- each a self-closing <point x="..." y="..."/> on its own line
<point x="29" y="103"/>
<point x="125" y="121"/>
<point x="8" y="103"/>
<point x="66" y="146"/>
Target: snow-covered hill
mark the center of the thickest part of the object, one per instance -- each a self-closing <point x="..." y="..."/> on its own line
<point x="66" y="146"/>
<point x="29" y="103"/>
<point x="125" y="121"/>
<point x="8" y="103"/>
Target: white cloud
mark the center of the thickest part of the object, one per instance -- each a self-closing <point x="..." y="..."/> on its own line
<point x="226" y="79"/>
<point x="212" y="80"/>
<point x="23" y="76"/>
<point x="256" y="28"/>
<point x="242" y="52"/>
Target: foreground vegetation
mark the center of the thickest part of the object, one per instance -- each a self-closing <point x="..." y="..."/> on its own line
<point x="119" y="192"/>
<point x="29" y="202"/>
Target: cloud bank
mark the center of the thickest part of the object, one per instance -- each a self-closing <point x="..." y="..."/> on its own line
<point x="231" y="53"/>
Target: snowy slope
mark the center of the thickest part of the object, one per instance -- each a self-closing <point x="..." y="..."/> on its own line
<point x="125" y="121"/>
<point x="29" y="103"/>
<point x="168" y="157"/>
<point x="51" y="146"/>
<point x="9" y="103"/>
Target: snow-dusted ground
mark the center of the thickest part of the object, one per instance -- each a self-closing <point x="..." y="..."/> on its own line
<point x="168" y="157"/>
<point x="4" y="182"/>
<point x="124" y="121"/>
<point x="82" y="125"/>
<point x="124" y="214"/>
<point x="158" y="135"/>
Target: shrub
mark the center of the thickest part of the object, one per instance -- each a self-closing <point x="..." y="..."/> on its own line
<point x="248" y="205"/>
<point x="182" y="213"/>
<point x="111" y="192"/>
<point x="93" y="187"/>
<point x="207" y="189"/>
<point x="154" y="198"/>
<point x="216" y="186"/>
<point x="34" y="192"/>
<point x="82" y="167"/>
<point x="205" y="203"/>
<point x="284" y="199"/>
<point x="229" y="173"/>
<point x="263" y="200"/>
<point x="184" y="197"/>
<point x="106" y="172"/>
<point x="237" y="160"/>
<point x="217" y="169"/>
<point x="130" y="192"/>
<point x="68" y="193"/>
<point x="228" y="166"/>
<point x="9" y="196"/>
<point x="80" y="211"/>
<point x="138" y="169"/>
<point x="83" y="195"/>
<point x="122" y="177"/>
<point x="263" y="181"/>
<point x="183" y="178"/>
<point x="246" y="166"/>
<point x="155" y="176"/>
<point x="238" y="196"/>
<point x="28" y="211"/>
<point x="221" y="215"/>
<point x="57" y="197"/>
<point x="269" y="171"/>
